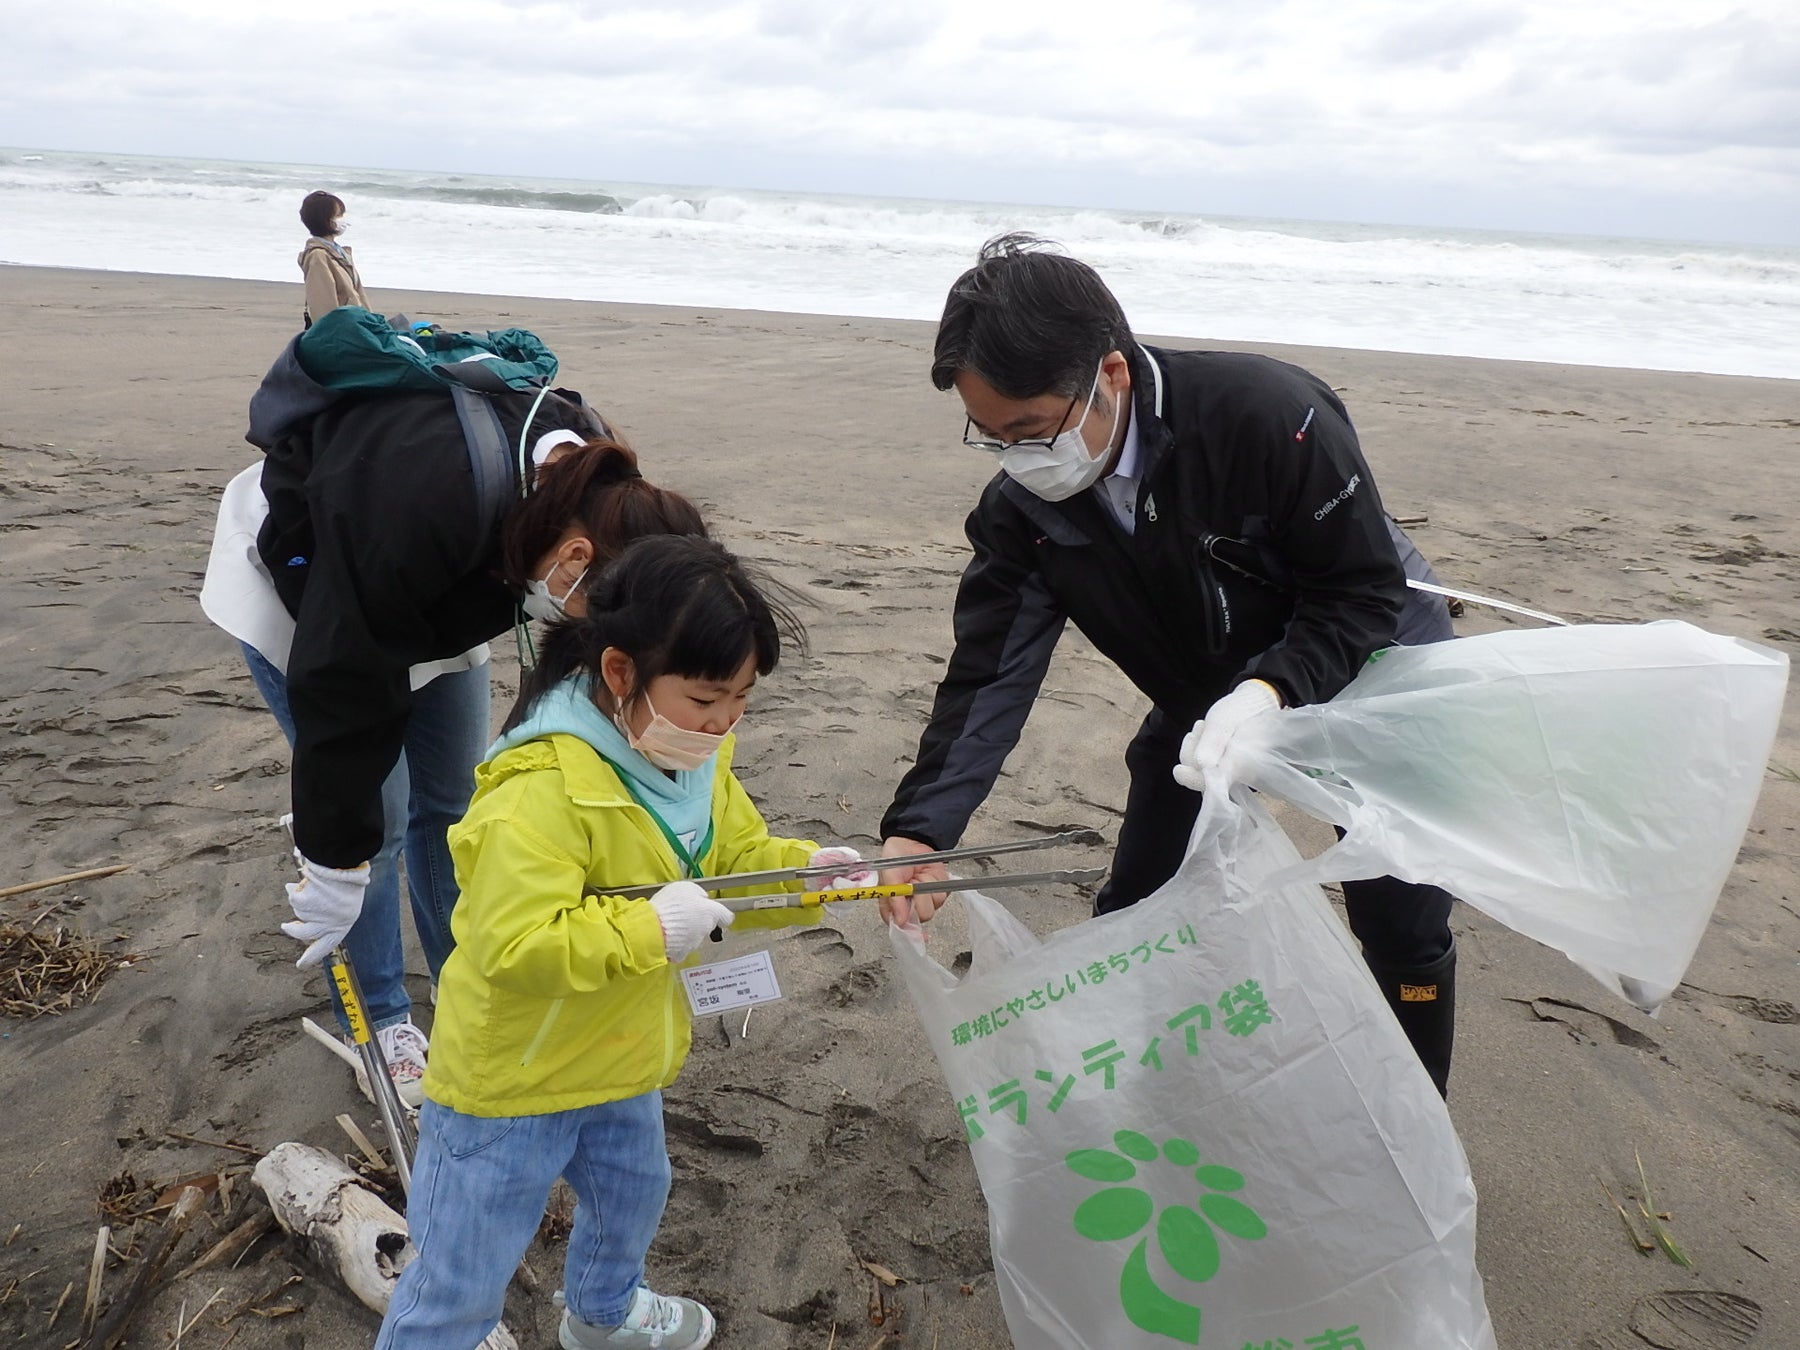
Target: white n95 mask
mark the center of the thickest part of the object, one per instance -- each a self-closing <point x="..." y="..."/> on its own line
<point x="1057" y="470"/>
<point x="540" y="604"/>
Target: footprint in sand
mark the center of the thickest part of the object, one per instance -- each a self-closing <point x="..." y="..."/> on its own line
<point x="1685" y="1319"/>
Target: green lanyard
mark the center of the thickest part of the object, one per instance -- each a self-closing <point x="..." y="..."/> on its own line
<point x="687" y="860"/>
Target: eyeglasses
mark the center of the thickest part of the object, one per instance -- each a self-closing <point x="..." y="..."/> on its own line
<point x="994" y="447"/>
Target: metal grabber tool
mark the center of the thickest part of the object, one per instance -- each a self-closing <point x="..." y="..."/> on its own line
<point x="801" y="898"/>
<point x="394" y="1119"/>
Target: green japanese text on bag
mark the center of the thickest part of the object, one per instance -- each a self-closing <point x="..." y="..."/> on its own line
<point x="1196" y="1122"/>
<point x="1585" y="786"/>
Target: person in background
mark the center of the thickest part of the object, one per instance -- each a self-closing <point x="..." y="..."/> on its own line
<point x="327" y="265"/>
<point x="1207" y="519"/>
<point x="561" y="1016"/>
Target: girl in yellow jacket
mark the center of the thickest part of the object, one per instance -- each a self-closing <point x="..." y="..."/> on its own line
<point x="560" y="1013"/>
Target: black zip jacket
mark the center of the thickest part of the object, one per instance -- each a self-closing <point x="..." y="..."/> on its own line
<point x="377" y="550"/>
<point x="1260" y="551"/>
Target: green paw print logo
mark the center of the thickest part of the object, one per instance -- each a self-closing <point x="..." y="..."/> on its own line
<point x="1184" y="1232"/>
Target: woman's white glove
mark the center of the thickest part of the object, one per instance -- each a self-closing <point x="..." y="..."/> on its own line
<point x="850" y="878"/>
<point x="1204" y="747"/>
<point x="687" y="914"/>
<point x="327" y="902"/>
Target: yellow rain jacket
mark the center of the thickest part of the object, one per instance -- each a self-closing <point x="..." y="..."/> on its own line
<point x="559" y="995"/>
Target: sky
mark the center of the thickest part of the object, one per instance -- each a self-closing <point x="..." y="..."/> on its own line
<point x="1662" y="118"/>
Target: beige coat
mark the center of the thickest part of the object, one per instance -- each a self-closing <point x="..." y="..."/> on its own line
<point x="331" y="278"/>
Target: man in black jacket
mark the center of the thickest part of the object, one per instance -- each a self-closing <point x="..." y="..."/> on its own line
<point x="1208" y="521"/>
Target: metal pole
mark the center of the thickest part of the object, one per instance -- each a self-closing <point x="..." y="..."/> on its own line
<point x="737" y="880"/>
<point x="381" y="1084"/>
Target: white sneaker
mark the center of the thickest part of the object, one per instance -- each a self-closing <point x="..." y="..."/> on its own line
<point x="404" y="1047"/>
<point x="654" y="1323"/>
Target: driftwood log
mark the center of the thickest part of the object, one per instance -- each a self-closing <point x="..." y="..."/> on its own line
<point x="348" y="1229"/>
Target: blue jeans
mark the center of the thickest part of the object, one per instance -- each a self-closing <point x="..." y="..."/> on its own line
<point x="479" y="1189"/>
<point x="427" y="792"/>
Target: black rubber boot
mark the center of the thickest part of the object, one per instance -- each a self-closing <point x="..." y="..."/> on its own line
<point x="1424" y="1000"/>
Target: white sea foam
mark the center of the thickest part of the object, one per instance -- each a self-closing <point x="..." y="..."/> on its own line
<point x="1616" y="302"/>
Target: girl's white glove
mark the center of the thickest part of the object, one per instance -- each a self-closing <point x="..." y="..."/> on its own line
<point x="848" y="879"/>
<point x="687" y="914"/>
<point x="327" y="902"/>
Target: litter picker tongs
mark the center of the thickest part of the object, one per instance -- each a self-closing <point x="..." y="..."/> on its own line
<point x="394" y="1119"/>
<point x="797" y="899"/>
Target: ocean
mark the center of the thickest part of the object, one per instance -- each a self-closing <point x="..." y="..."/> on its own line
<point x="1729" y="309"/>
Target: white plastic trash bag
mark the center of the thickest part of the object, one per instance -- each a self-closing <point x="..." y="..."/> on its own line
<point x="1587" y="786"/>
<point x="1197" y="1123"/>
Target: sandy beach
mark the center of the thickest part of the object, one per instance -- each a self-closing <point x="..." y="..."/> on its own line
<point x="818" y="1136"/>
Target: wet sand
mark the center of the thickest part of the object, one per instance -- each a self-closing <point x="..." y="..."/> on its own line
<point x="822" y="1137"/>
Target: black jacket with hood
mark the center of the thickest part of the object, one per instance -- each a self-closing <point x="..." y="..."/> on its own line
<point x="1260" y="550"/>
<point x="380" y="551"/>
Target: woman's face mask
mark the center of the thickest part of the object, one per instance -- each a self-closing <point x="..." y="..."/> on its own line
<point x="542" y="604"/>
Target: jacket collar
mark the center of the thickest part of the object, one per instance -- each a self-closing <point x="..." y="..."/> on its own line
<point x="1147" y="394"/>
<point x="588" y="780"/>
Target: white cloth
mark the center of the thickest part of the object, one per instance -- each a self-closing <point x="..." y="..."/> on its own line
<point x="549" y="441"/>
<point x="239" y="594"/>
<point x="853" y="874"/>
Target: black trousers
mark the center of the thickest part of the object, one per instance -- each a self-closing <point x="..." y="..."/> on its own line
<point x="1400" y="925"/>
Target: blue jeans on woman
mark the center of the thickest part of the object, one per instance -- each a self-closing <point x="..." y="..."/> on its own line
<point x="427" y="792"/>
<point x="479" y="1188"/>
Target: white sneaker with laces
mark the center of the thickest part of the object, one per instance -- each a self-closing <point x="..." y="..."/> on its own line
<point x="404" y="1047"/>
<point x="654" y="1323"/>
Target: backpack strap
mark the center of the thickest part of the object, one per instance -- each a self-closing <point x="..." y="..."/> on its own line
<point x="490" y="464"/>
<point x="474" y="374"/>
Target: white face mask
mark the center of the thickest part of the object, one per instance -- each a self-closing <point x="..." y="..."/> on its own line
<point x="1065" y="466"/>
<point x="671" y="747"/>
<point x="539" y="603"/>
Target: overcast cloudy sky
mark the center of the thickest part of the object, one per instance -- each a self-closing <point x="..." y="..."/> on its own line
<point x="1675" y="118"/>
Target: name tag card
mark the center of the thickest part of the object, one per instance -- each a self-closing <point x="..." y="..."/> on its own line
<point x="720" y="986"/>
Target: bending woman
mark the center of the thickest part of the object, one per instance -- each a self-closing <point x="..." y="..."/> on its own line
<point x="359" y="572"/>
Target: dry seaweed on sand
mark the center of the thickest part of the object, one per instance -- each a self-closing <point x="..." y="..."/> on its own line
<point x="48" y="971"/>
<point x="1647" y="1208"/>
<point x="123" y="1199"/>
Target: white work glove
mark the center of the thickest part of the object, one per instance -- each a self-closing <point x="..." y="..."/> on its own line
<point x="687" y="914"/>
<point x="1203" y="749"/>
<point x="326" y="902"/>
<point x="847" y="879"/>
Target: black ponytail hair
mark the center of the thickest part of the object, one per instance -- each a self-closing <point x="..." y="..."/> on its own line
<point x="676" y="605"/>
<point x="597" y="488"/>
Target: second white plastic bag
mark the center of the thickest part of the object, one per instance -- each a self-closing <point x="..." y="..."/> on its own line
<point x="1586" y="786"/>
